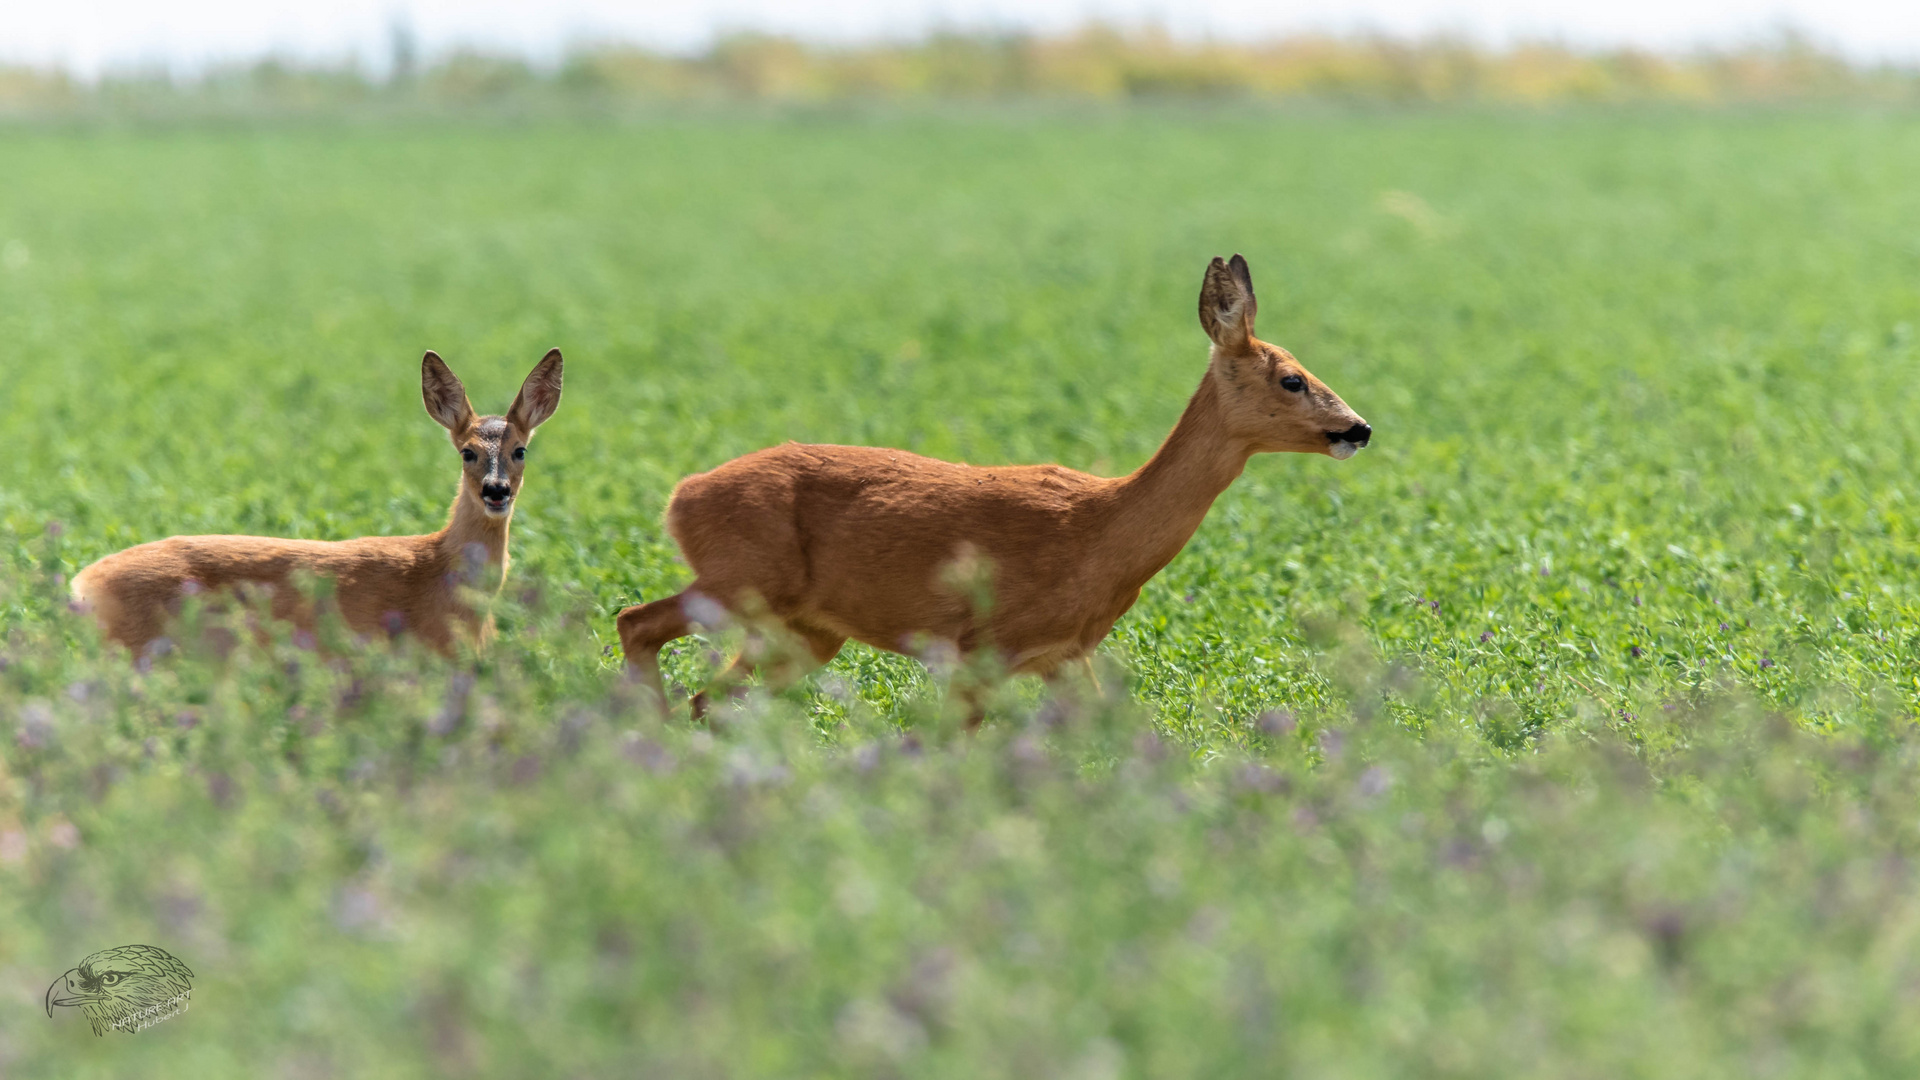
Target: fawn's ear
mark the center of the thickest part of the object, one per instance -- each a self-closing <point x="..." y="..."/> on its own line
<point x="1227" y="305"/>
<point x="446" y="399"/>
<point x="539" y="395"/>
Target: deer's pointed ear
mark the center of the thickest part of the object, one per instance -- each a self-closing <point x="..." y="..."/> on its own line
<point x="446" y="399"/>
<point x="1227" y="305"/>
<point x="539" y="395"/>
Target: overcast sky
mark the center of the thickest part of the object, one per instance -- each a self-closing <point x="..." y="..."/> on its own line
<point x="87" y="35"/>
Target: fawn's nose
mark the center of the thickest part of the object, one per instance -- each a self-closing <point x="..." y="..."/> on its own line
<point x="1358" y="434"/>
<point x="495" y="492"/>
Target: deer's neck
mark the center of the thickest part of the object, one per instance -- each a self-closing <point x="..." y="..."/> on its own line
<point x="473" y="546"/>
<point x="1161" y="505"/>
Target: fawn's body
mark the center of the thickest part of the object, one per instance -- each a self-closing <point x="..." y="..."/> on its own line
<point x="380" y="583"/>
<point x="839" y="542"/>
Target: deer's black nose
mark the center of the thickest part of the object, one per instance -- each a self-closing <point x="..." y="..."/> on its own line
<point x="1358" y="434"/>
<point x="495" y="492"/>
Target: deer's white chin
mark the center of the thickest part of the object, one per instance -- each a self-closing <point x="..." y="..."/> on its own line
<point x="1343" y="450"/>
<point x="500" y="511"/>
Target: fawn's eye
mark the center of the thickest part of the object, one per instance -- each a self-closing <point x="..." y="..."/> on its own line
<point x="519" y="453"/>
<point x="1294" y="383"/>
<point x="469" y="456"/>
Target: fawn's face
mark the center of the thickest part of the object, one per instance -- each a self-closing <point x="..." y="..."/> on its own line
<point x="493" y="449"/>
<point x="493" y="456"/>
<point x="1270" y="400"/>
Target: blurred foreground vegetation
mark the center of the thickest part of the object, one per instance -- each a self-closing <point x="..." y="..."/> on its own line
<point x="1568" y="730"/>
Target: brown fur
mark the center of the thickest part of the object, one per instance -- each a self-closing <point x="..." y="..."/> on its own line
<point x="838" y="542"/>
<point x="380" y="583"/>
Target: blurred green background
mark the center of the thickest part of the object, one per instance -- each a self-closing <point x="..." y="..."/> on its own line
<point x="1565" y="731"/>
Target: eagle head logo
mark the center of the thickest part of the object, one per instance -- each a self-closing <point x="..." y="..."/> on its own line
<point x="124" y="989"/>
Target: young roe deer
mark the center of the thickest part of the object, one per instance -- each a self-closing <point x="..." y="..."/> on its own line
<point x="838" y="542"/>
<point x="389" y="583"/>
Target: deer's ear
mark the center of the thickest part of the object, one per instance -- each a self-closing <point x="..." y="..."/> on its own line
<point x="446" y="399"/>
<point x="1227" y="305"/>
<point x="539" y="395"/>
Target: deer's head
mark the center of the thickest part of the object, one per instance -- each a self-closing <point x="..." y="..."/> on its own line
<point x="493" y="449"/>
<point x="1270" y="401"/>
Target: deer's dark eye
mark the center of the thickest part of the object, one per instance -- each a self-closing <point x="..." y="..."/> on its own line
<point x="519" y="453"/>
<point x="1294" y="383"/>
<point x="469" y="456"/>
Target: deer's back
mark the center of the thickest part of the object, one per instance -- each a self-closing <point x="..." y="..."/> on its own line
<point x="132" y="591"/>
<point x="864" y="540"/>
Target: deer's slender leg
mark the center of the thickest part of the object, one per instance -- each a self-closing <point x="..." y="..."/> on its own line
<point x="779" y="663"/>
<point x="644" y="629"/>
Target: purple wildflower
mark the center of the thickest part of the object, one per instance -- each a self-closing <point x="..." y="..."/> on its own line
<point x="1277" y="722"/>
<point x="1332" y="742"/>
<point x="1374" y="781"/>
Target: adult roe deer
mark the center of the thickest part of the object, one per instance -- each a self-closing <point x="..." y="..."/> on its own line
<point x="389" y="583"/>
<point x="838" y="542"/>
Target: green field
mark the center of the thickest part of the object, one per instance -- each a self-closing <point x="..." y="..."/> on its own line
<point x="1567" y="731"/>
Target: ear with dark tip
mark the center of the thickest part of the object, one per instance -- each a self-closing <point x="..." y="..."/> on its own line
<point x="1227" y="304"/>
<point x="446" y="399"/>
<point x="539" y="395"/>
<point x="1243" y="275"/>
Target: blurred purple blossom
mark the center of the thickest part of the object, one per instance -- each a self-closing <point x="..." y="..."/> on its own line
<point x="356" y="907"/>
<point x="36" y="726"/>
<point x="646" y="753"/>
<point x="1374" y="781"/>
<point x="1276" y="722"/>
<point x="1254" y="776"/>
<point x="1332" y="742"/>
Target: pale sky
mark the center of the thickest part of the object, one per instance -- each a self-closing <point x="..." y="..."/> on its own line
<point x="88" y="35"/>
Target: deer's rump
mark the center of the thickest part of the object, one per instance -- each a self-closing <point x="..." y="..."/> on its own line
<point x="883" y="546"/>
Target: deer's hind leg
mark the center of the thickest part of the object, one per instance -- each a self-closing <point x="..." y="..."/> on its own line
<point x="781" y="663"/>
<point x="644" y="630"/>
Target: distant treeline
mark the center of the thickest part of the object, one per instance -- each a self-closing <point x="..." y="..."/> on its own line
<point x="1094" y="63"/>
